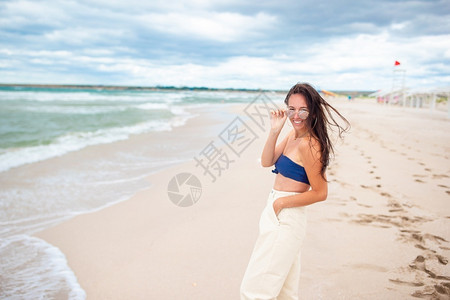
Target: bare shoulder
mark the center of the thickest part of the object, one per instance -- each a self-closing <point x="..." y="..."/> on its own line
<point x="310" y="148"/>
<point x="289" y="137"/>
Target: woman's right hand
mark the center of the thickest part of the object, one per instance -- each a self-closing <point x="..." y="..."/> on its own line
<point x="277" y="119"/>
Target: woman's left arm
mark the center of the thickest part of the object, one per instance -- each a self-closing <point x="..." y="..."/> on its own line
<point x="319" y="186"/>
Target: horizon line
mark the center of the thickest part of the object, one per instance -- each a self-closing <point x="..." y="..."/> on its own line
<point x="156" y="87"/>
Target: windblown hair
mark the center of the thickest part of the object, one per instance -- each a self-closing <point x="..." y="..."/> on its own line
<point x="319" y="120"/>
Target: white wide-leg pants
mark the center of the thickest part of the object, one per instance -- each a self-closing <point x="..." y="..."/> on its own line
<point x="274" y="268"/>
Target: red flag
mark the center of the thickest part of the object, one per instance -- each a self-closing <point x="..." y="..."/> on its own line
<point x="397" y="63"/>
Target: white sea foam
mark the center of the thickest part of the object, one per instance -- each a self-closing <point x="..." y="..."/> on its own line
<point x="92" y="110"/>
<point x="152" y="106"/>
<point x="11" y="158"/>
<point x="86" y="110"/>
<point x="43" y="96"/>
<point x="67" y="96"/>
<point x="32" y="224"/>
<point x="38" y="271"/>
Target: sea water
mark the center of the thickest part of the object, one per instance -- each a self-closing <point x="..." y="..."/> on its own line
<point x="38" y="124"/>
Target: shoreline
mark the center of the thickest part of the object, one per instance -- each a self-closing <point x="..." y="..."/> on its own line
<point x="175" y="151"/>
<point x="166" y="150"/>
<point x="364" y="241"/>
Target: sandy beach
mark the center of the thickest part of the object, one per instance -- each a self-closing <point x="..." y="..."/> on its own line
<point x="383" y="232"/>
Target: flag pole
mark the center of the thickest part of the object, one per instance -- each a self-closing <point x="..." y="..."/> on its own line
<point x="398" y="83"/>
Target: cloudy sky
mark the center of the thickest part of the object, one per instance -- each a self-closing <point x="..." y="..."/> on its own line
<point x="272" y="44"/>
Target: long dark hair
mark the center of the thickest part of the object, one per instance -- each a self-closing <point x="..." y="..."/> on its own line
<point x="319" y="119"/>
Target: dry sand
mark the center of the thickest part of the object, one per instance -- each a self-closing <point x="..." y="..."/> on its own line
<point x="383" y="232"/>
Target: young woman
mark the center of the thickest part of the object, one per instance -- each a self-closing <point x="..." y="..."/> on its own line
<point x="300" y="160"/>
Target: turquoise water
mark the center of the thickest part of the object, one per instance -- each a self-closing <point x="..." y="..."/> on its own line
<point x="36" y="124"/>
<point x="25" y="122"/>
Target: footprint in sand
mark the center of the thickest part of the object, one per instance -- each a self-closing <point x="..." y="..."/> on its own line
<point x="345" y="215"/>
<point x="417" y="176"/>
<point x="433" y="286"/>
<point x="381" y="221"/>
<point x="437" y="290"/>
<point x="424" y="237"/>
<point x="397" y="220"/>
<point x="401" y="282"/>
<point x="394" y="205"/>
<point x="445" y="187"/>
<point x="426" y="242"/>
<point x="368" y="187"/>
<point x="384" y="194"/>
<point x="418" y="263"/>
<point x="442" y="260"/>
<point x="439" y="176"/>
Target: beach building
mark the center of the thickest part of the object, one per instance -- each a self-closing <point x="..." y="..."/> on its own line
<point x="436" y="98"/>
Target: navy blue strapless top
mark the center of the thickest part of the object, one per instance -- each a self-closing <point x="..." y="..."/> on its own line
<point x="290" y="169"/>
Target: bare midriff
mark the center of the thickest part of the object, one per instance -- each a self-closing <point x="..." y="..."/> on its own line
<point x="289" y="185"/>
